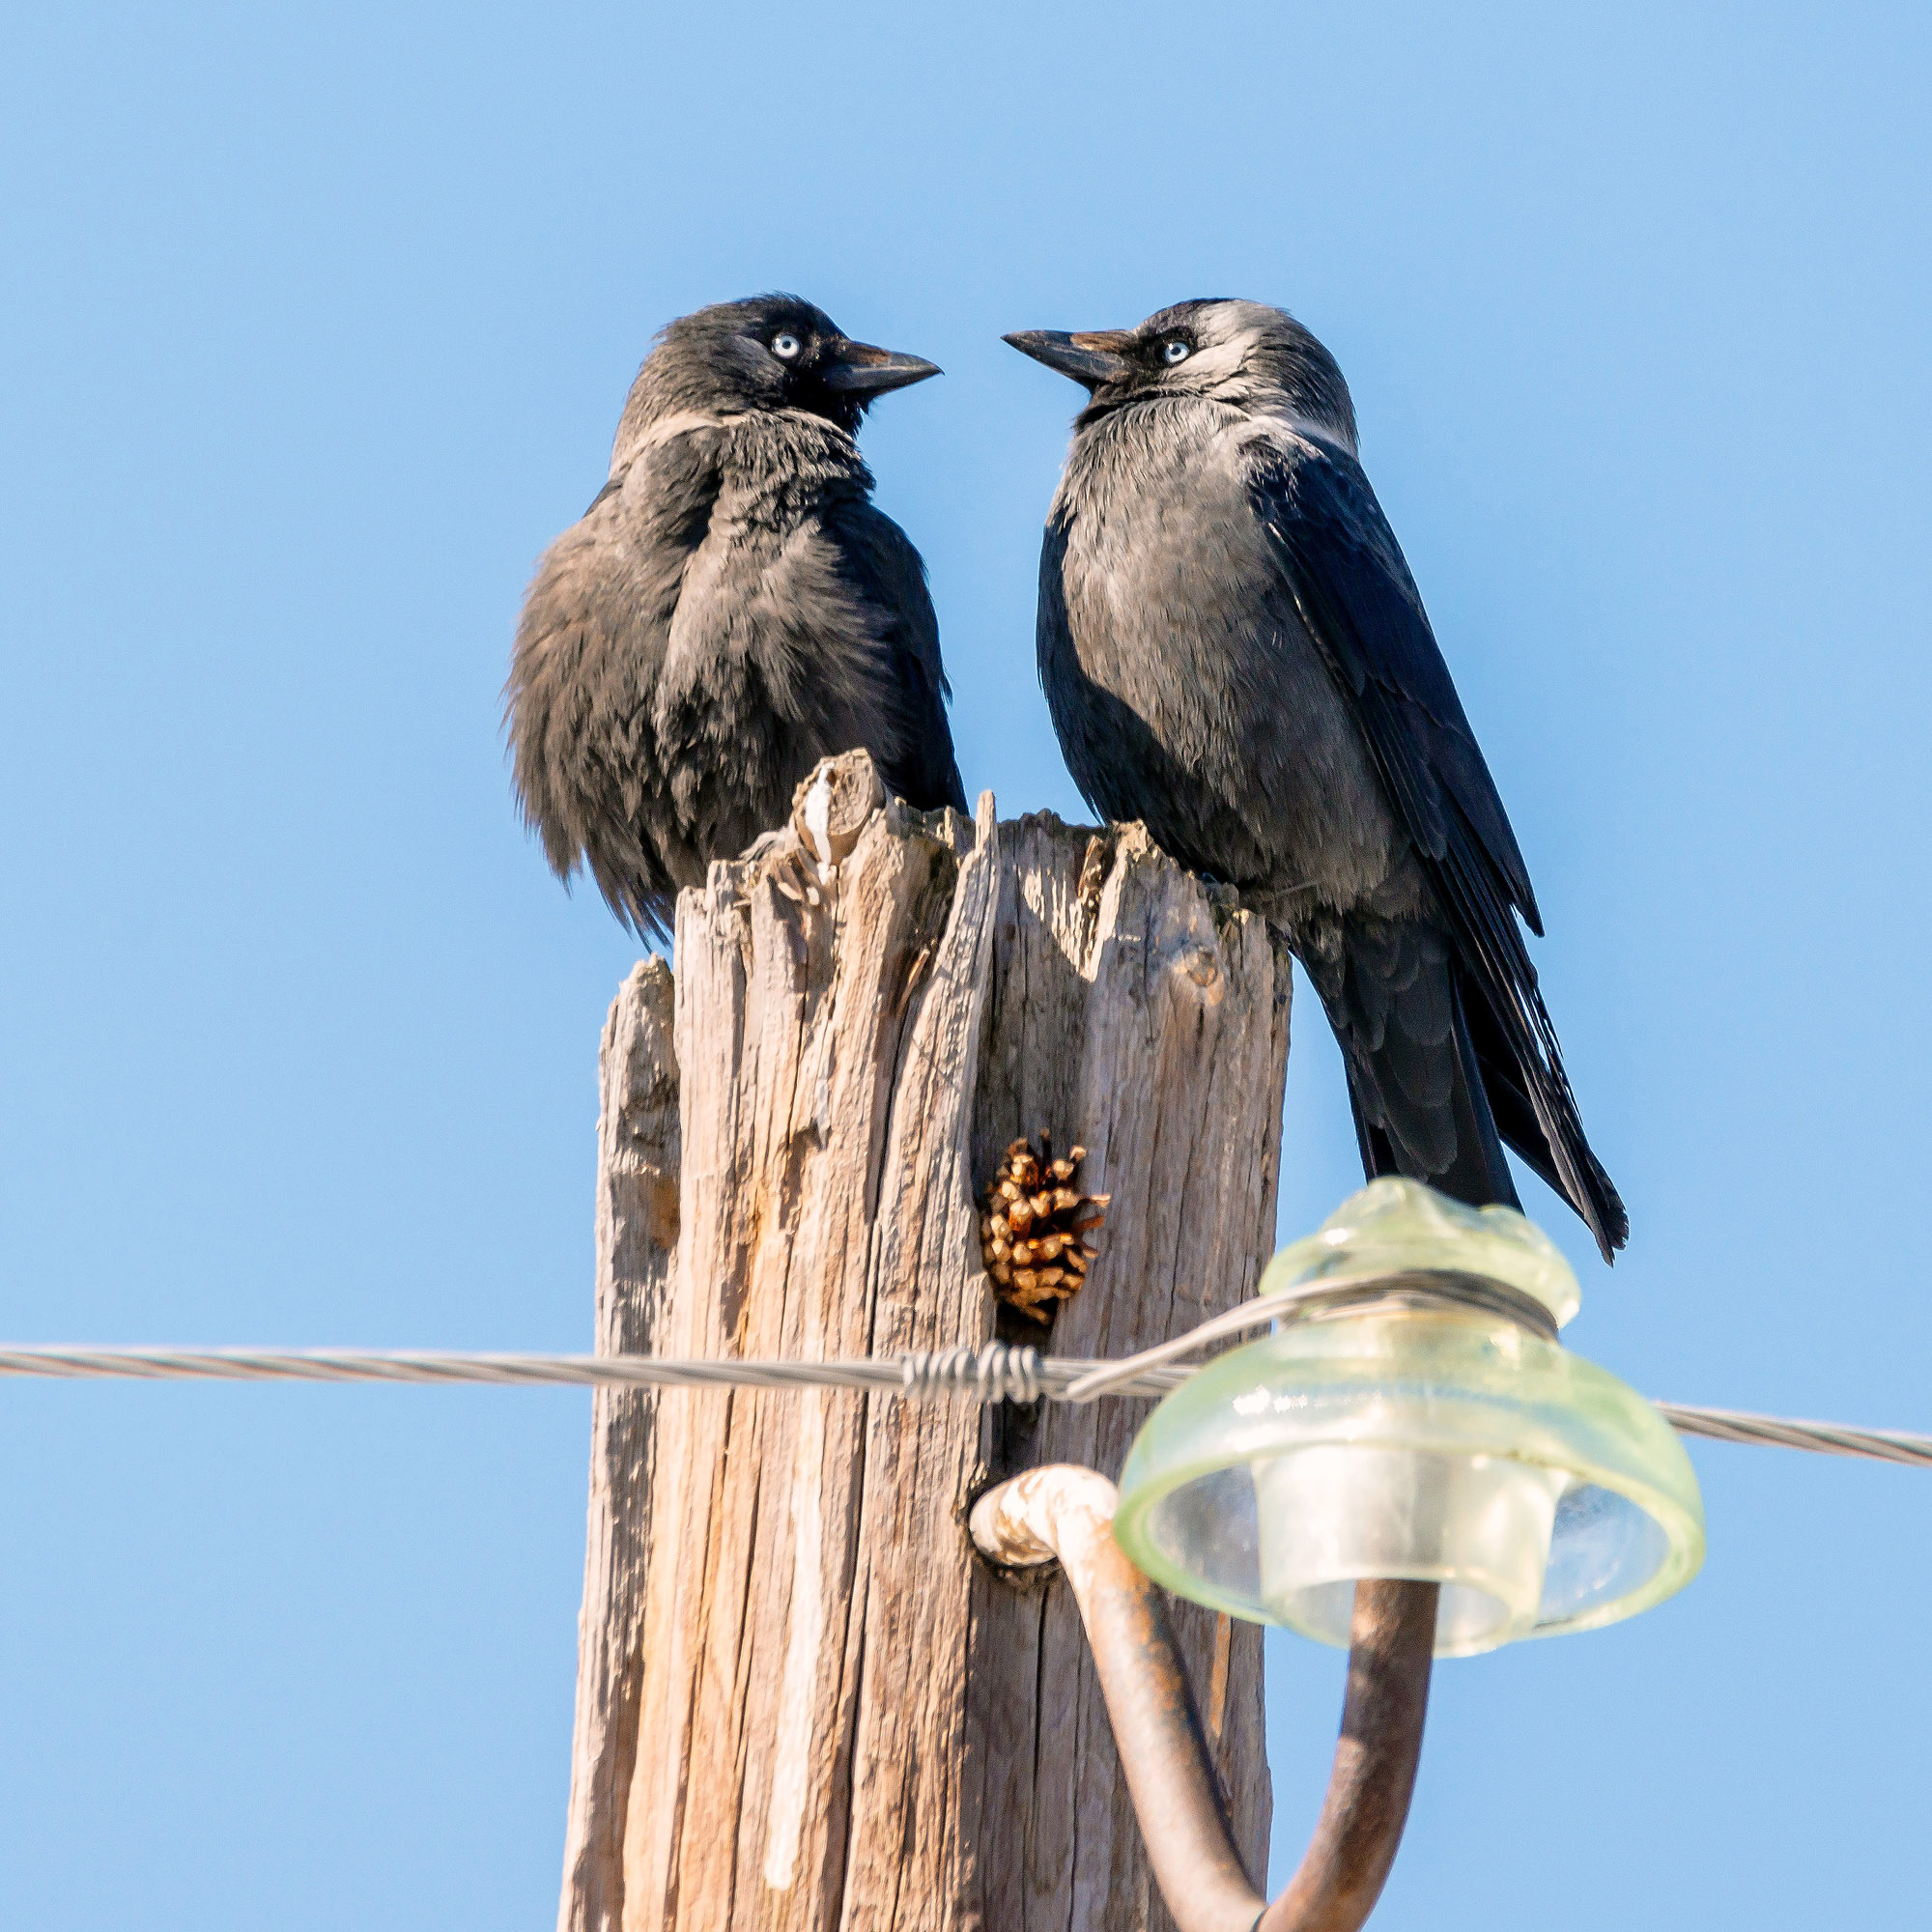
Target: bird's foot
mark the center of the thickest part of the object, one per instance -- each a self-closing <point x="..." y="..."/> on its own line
<point x="766" y="843"/>
<point x="783" y="857"/>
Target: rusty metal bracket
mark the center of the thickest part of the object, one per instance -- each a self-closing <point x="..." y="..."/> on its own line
<point x="1067" y="1513"/>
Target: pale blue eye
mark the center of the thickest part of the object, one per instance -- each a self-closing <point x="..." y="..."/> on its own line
<point x="785" y="347"/>
<point x="1175" y="352"/>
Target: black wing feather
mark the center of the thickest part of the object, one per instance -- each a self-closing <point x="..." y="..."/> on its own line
<point x="891" y="576"/>
<point x="1360" y="605"/>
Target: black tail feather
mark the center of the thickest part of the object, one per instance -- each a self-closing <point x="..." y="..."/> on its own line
<point x="1521" y="1123"/>
<point x="1439" y="1081"/>
<point x="1414" y="1081"/>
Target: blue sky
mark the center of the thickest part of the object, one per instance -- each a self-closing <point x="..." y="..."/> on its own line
<point x="317" y="322"/>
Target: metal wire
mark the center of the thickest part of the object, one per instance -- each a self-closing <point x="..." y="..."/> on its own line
<point x="1774" y="1432"/>
<point x="994" y="1373"/>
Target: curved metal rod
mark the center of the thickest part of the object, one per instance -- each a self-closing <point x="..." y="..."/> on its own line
<point x="1067" y="1513"/>
<point x="1391" y="1646"/>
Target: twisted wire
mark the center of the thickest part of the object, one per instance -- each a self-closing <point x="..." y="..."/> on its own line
<point x="1774" y="1432"/>
<point x="996" y="1372"/>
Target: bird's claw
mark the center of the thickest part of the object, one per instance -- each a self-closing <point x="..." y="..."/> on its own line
<point x="783" y="857"/>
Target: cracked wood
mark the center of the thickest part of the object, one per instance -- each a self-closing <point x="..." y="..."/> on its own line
<point x="802" y="1702"/>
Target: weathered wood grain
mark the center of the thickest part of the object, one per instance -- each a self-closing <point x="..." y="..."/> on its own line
<point x="637" y="1148"/>
<point x="823" y="1711"/>
<point x="1147" y="1016"/>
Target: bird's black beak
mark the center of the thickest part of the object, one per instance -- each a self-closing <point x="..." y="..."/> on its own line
<point x="857" y="369"/>
<point x="1093" y="359"/>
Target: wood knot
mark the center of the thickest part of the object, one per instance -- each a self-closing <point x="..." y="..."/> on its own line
<point x="1201" y="965"/>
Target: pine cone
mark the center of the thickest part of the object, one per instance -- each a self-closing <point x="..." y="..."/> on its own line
<point x="1033" y="1235"/>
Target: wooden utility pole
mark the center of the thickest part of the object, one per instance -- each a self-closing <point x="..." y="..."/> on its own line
<point x="803" y="1702"/>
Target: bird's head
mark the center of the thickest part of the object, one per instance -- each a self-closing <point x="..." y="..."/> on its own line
<point x="771" y="352"/>
<point x="1242" y="353"/>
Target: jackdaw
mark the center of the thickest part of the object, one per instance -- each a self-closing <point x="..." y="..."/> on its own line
<point x="1233" y="651"/>
<point x="729" y="610"/>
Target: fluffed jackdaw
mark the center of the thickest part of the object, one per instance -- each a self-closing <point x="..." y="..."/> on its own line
<point x="1234" y="652"/>
<point x="729" y="610"/>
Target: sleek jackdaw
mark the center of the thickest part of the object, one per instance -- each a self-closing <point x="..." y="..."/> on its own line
<point x="1234" y="652"/>
<point x="729" y="610"/>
